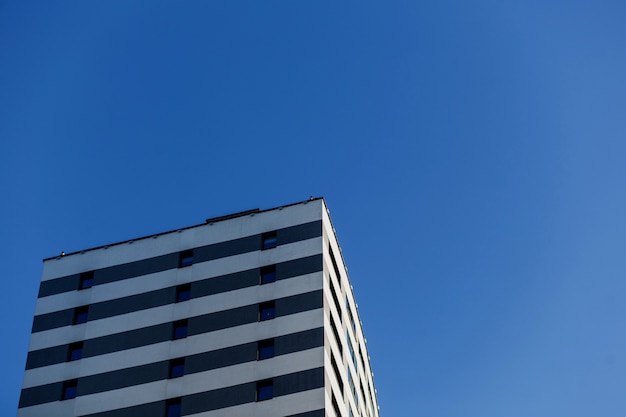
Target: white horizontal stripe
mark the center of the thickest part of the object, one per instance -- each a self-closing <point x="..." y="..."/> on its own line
<point x="55" y="409"/>
<point x="171" y="277"/>
<point x="192" y="345"/>
<point x="185" y="239"/>
<point x="172" y="312"/>
<point x="287" y="405"/>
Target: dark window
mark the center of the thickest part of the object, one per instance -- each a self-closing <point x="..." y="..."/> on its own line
<point x="269" y="240"/>
<point x="335" y="405"/>
<point x="81" y="314"/>
<point x="76" y="351"/>
<point x="362" y="394"/>
<point x="333" y="326"/>
<point x="266" y="311"/>
<point x="69" y="389"/>
<point x="333" y="293"/>
<point x="352" y="387"/>
<point x="351" y="317"/>
<point x="336" y="370"/>
<point x="183" y="292"/>
<point x="177" y="368"/>
<point x="265" y="349"/>
<point x="351" y="350"/>
<point x="264" y="390"/>
<point x="86" y="280"/>
<point x="362" y="360"/>
<point x="185" y="258"/>
<point x="173" y="408"/>
<point x="334" y="261"/>
<point x="268" y="274"/>
<point x="180" y="330"/>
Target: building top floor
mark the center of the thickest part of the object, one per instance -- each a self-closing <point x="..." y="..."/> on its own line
<point x="214" y="230"/>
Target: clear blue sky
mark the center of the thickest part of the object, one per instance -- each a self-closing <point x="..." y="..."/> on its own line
<point x="472" y="154"/>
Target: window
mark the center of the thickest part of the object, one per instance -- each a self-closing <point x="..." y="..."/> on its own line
<point x="351" y="350"/>
<point x="177" y="368"/>
<point x="362" y="360"/>
<point x="183" y="293"/>
<point x="81" y="314"/>
<point x="86" y="280"/>
<point x="267" y="311"/>
<point x="352" y="387"/>
<point x="333" y="326"/>
<point x="333" y="293"/>
<point x="185" y="258"/>
<point x="265" y="349"/>
<point x="334" y="261"/>
<point x="173" y="407"/>
<point x="335" y="405"/>
<point x="180" y="330"/>
<point x="75" y="351"/>
<point x="363" y="394"/>
<point x="269" y="240"/>
<point x="69" y="389"/>
<point x="336" y="370"/>
<point x="352" y="322"/>
<point x="265" y="390"/>
<point x="268" y="274"/>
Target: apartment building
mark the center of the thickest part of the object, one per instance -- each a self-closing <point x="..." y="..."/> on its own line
<point x="250" y="314"/>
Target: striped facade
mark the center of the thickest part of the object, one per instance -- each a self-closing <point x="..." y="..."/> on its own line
<point x="245" y="315"/>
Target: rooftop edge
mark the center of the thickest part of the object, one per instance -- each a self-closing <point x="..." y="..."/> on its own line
<point x="207" y="221"/>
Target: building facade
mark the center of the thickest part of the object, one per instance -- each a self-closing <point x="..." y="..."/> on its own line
<point x="250" y="314"/>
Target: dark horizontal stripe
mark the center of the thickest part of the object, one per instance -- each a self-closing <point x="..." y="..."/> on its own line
<point x="246" y="393"/>
<point x="170" y="261"/>
<point x="151" y="299"/>
<point x="227" y="397"/>
<point x="316" y="413"/>
<point x="201" y="362"/>
<point x="163" y="332"/>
